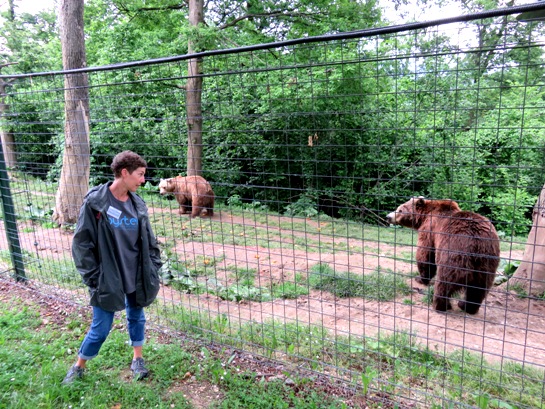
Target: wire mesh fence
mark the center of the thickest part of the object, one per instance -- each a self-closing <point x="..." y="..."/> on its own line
<point x="308" y="146"/>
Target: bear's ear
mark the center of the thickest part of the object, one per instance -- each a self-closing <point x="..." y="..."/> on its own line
<point x="420" y="202"/>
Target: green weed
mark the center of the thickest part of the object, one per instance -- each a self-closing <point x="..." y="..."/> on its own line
<point x="378" y="285"/>
<point x="290" y="289"/>
<point x="243" y="276"/>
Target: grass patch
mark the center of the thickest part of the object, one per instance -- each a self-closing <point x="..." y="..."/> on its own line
<point x="427" y="297"/>
<point x="60" y="272"/>
<point x="386" y="364"/>
<point x="274" y="394"/>
<point x="267" y="229"/>
<point x="381" y="285"/>
<point x="203" y="265"/>
<point x="245" y="290"/>
<point x="243" y="276"/>
<point x="34" y="358"/>
<point x="35" y="355"/>
<point x="290" y="289"/>
<point x="272" y="230"/>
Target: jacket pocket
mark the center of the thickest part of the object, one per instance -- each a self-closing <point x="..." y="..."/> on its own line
<point x="93" y="295"/>
<point x="154" y="284"/>
<point x="151" y="286"/>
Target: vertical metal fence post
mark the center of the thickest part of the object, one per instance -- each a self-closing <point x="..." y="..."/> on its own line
<point x="10" y="221"/>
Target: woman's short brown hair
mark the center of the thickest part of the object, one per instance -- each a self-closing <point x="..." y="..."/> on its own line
<point x="127" y="160"/>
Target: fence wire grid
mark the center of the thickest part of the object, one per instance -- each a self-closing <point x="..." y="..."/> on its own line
<point x="308" y="146"/>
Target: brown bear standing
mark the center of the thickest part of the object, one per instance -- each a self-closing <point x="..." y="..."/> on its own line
<point x="462" y="248"/>
<point x="190" y="189"/>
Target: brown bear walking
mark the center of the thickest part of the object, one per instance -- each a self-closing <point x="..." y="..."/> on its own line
<point x="190" y="189"/>
<point x="462" y="248"/>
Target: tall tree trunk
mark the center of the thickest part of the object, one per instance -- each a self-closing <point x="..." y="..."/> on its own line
<point x="11" y="10"/>
<point x="194" y="96"/>
<point x="74" y="180"/>
<point x="530" y="275"/>
<point x="8" y="141"/>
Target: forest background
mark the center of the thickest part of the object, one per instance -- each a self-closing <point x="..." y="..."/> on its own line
<point x="456" y="138"/>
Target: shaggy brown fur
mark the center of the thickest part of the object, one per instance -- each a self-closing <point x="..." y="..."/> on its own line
<point x="190" y="189"/>
<point x="462" y="248"/>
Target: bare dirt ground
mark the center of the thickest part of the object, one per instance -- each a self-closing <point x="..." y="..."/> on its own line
<point x="507" y="328"/>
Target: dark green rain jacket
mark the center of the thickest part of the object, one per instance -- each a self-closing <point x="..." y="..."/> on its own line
<point x="95" y="253"/>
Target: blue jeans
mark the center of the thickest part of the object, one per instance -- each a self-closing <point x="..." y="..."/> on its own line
<point x="102" y="324"/>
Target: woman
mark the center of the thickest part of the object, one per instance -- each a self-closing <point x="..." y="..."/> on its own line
<point x="117" y="255"/>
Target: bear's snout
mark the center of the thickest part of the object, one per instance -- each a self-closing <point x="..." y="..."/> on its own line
<point x="391" y="218"/>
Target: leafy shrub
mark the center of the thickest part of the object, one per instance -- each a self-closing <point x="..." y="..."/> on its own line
<point x="234" y="201"/>
<point x="239" y="293"/>
<point x="305" y="206"/>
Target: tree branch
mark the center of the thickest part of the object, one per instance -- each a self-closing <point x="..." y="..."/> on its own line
<point x="271" y="14"/>
<point x="122" y="7"/>
<point x="7" y="64"/>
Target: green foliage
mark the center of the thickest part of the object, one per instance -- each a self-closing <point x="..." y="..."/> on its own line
<point x="234" y="201"/>
<point x="511" y="211"/>
<point x="306" y="130"/>
<point x="177" y="275"/>
<point x="508" y="267"/>
<point x="240" y="292"/>
<point x="30" y="42"/>
<point x="484" y="402"/>
<point x="305" y="206"/>
<point x="244" y="276"/>
<point x="366" y="378"/>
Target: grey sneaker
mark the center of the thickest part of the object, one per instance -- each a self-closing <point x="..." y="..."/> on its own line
<point x="139" y="370"/>
<point x="75" y="372"/>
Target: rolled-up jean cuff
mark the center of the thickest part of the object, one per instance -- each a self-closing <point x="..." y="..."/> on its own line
<point x="85" y="357"/>
<point x="136" y="343"/>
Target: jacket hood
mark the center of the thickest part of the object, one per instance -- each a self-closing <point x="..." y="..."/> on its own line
<point x="98" y="199"/>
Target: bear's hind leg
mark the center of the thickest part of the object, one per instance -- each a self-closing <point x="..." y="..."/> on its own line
<point x="441" y="295"/>
<point x="473" y="300"/>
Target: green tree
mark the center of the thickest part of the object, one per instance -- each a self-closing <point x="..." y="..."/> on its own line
<point x="32" y="41"/>
<point x="28" y="43"/>
<point x="141" y="25"/>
